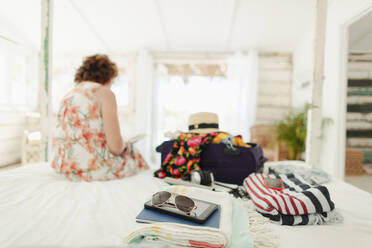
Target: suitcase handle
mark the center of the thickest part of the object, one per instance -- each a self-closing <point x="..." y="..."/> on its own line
<point x="159" y="148"/>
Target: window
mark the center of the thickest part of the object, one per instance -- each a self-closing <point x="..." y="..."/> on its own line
<point x="226" y="86"/>
<point x="18" y="82"/>
<point x="181" y="95"/>
<point x="63" y="80"/>
<point x="121" y="89"/>
<point x="122" y="86"/>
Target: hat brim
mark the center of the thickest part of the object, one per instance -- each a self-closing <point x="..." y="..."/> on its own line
<point x="205" y="130"/>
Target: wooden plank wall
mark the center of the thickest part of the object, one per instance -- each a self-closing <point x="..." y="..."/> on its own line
<point x="274" y="87"/>
<point x="12" y="125"/>
<point x="359" y="105"/>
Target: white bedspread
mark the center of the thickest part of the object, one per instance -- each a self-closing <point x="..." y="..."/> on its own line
<point x="39" y="207"/>
<point x="355" y="232"/>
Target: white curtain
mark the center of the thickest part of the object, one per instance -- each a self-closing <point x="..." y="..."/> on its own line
<point x="143" y="113"/>
<point x="242" y="75"/>
<point x="160" y="74"/>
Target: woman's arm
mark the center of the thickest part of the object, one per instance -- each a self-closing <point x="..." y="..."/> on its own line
<point x="110" y="120"/>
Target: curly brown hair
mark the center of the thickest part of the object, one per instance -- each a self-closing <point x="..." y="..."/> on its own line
<point x="97" y="68"/>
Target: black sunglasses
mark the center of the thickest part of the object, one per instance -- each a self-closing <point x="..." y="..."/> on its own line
<point x="181" y="202"/>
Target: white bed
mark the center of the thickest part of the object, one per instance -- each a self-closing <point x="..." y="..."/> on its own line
<point x="39" y="207"/>
<point x="355" y="232"/>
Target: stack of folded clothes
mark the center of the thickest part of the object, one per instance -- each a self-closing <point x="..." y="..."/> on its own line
<point x="233" y="222"/>
<point x="297" y="204"/>
<point x="313" y="176"/>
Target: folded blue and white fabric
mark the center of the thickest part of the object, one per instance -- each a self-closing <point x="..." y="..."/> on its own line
<point x="313" y="176"/>
<point x="297" y="204"/>
<point x="180" y="235"/>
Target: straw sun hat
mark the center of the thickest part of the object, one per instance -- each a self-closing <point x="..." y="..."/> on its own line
<point x="203" y="122"/>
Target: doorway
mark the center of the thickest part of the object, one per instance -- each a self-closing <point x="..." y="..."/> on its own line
<point x="358" y="158"/>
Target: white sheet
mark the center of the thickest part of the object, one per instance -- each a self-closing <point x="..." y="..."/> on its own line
<point x="355" y="232"/>
<point x="39" y="207"/>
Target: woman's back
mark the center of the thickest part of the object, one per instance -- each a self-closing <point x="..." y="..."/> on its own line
<point x="80" y="146"/>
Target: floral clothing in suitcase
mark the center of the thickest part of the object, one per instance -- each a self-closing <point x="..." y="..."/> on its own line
<point x="184" y="155"/>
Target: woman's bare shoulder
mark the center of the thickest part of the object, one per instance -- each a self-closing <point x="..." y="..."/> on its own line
<point x="105" y="94"/>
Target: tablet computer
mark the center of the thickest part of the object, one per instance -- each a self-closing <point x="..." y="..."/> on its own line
<point x="199" y="215"/>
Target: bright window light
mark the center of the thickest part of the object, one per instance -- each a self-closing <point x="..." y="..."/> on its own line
<point x="179" y="98"/>
<point x="121" y="89"/>
<point x="63" y="81"/>
<point x="18" y="83"/>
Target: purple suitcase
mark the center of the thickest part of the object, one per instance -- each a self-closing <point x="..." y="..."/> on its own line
<point x="228" y="166"/>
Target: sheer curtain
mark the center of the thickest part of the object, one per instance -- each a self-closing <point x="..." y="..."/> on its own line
<point x="143" y="102"/>
<point x="231" y="94"/>
<point x="242" y="76"/>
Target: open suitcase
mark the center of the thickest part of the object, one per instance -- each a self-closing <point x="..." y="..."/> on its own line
<point x="229" y="166"/>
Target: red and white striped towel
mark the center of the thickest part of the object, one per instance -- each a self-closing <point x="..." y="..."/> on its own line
<point x="297" y="204"/>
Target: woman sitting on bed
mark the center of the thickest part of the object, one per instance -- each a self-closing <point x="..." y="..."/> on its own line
<point x="87" y="144"/>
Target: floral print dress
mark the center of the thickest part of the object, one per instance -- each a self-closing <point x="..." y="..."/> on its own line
<point x="80" y="150"/>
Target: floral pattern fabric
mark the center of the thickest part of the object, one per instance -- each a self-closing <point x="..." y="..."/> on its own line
<point x="184" y="155"/>
<point x="80" y="150"/>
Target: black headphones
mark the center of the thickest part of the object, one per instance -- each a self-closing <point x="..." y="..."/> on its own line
<point x="202" y="177"/>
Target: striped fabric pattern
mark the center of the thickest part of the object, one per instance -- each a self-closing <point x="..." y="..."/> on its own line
<point x="297" y="204"/>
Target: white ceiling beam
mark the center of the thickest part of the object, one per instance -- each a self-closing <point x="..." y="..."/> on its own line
<point x="16" y="36"/>
<point x="231" y="24"/>
<point x="45" y="89"/>
<point x="9" y="40"/>
<point x="20" y="47"/>
<point x="90" y="26"/>
<point x="314" y="120"/>
<point x="162" y="24"/>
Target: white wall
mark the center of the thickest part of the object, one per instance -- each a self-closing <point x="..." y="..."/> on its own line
<point x="11" y="130"/>
<point x="340" y="13"/>
<point x="303" y="70"/>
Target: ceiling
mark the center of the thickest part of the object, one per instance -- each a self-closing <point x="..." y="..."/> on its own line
<point x="360" y="34"/>
<point x="122" y="26"/>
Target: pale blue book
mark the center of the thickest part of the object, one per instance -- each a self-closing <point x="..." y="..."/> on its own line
<point x="151" y="216"/>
